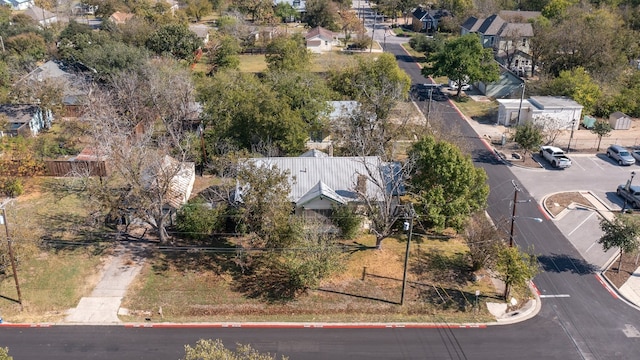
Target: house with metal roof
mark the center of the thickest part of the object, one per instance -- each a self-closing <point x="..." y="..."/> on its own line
<point x="320" y="182"/>
<point x="41" y="16"/>
<point x="320" y="40"/>
<point x="18" y="4"/>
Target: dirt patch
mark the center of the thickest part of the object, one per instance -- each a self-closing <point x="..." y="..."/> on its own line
<point x="556" y="203"/>
<point x="630" y="263"/>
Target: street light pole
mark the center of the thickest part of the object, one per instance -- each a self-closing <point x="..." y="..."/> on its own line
<point x="429" y="106"/>
<point x="407" y="226"/>
<point x="573" y="125"/>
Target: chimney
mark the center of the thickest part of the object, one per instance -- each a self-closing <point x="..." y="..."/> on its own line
<point x="361" y="186"/>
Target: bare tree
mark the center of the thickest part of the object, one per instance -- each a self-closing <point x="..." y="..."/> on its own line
<point x="140" y="124"/>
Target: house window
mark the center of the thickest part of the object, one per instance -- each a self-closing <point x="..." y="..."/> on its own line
<point x="524" y="41"/>
<point x="326" y="43"/>
<point x="296" y="3"/>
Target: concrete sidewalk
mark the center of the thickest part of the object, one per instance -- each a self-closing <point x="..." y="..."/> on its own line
<point x="102" y="306"/>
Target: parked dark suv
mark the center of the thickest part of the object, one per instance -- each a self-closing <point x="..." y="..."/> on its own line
<point x="621" y="155"/>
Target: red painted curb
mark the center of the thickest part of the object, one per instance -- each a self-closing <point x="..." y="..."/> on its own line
<point x="615" y="296"/>
<point x="544" y="213"/>
<point x="306" y="326"/>
<point x="25" y="325"/>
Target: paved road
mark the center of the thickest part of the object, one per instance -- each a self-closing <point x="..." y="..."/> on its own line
<point x="596" y="323"/>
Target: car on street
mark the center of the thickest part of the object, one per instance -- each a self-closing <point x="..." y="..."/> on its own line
<point x="630" y="194"/>
<point x="636" y="154"/>
<point x="621" y="155"/>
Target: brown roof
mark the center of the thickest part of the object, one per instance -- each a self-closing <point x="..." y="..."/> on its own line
<point x="320" y="32"/>
<point x="120" y="17"/>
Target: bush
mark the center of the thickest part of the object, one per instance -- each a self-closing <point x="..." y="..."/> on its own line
<point x="11" y="187"/>
<point x="345" y="219"/>
<point x="196" y="220"/>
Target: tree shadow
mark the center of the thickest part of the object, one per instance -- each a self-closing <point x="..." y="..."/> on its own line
<point x="215" y="254"/>
<point x="358" y="296"/>
<point x="442" y="268"/>
<point x="565" y="263"/>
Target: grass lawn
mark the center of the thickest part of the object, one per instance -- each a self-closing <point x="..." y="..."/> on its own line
<point x="206" y="289"/>
<point x="477" y="110"/>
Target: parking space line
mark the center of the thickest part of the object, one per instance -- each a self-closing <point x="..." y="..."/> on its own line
<point x="578" y="164"/>
<point x="583" y="221"/>
<point x="596" y="164"/>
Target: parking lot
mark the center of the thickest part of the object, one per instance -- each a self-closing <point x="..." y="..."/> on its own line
<point x="595" y="173"/>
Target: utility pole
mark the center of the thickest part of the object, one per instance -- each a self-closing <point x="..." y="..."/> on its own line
<point x="429" y="106"/>
<point x="520" y="107"/>
<point x="516" y="189"/>
<point x="11" y="256"/>
<point x="573" y="125"/>
<point x="407" y="226"/>
<point x="373" y="30"/>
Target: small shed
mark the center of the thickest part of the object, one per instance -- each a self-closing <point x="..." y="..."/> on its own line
<point x="620" y="121"/>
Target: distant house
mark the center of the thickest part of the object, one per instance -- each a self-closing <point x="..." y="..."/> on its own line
<point x="119" y="17"/>
<point x="41" y="16"/>
<point x="18" y="4"/>
<point x="298" y="5"/>
<point x="540" y="110"/>
<point x="202" y="31"/>
<point x="620" y="121"/>
<point x="509" y="85"/>
<point x="426" y="20"/>
<point x="25" y="120"/>
<point x="320" y="40"/>
<point x="319" y="182"/>
<point x="336" y="110"/>
<point x="72" y="85"/>
<point x="508" y="34"/>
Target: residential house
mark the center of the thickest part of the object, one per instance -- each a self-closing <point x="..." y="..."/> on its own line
<point x="508" y="34"/>
<point x="18" y="4"/>
<point x="119" y="17"/>
<point x="202" y="31"/>
<point x="509" y="85"/>
<point x="320" y="40"/>
<point x="25" y="120"/>
<point x="426" y="20"/>
<point x="318" y="182"/>
<point x="66" y="77"/>
<point x="337" y="110"/>
<point x="546" y="111"/>
<point x="41" y="16"/>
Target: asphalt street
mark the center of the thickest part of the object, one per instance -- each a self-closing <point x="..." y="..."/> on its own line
<point x="580" y="318"/>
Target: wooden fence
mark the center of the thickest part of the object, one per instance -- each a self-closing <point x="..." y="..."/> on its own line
<point x="75" y="168"/>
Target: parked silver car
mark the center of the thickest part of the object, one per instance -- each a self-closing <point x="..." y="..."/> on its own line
<point x="621" y="155"/>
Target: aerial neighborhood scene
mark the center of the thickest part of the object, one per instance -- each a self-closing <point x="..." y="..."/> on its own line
<point x="326" y="178"/>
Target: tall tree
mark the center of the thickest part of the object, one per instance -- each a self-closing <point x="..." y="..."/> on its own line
<point x="483" y="240"/>
<point x="288" y="54"/>
<point x="322" y="13"/>
<point x="447" y="186"/>
<point x="198" y="9"/>
<point x="140" y="125"/>
<point x="175" y="39"/>
<point x="224" y="51"/>
<point x="462" y="60"/>
<point x="622" y="233"/>
<point x="577" y="84"/>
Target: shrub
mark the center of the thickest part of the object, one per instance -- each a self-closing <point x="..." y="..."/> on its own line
<point x="196" y="220"/>
<point x="11" y="187"/>
<point x="346" y="219"/>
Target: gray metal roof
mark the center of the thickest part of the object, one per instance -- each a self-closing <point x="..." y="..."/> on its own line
<point x="342" y="109"/>
<point x="338" y="173"/>
<point x="320" y="189"/>
<point x="553" y="102"/>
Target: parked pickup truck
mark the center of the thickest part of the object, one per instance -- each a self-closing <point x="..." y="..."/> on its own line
<point x="555" y="156"/>
<point x="630" y="196"/>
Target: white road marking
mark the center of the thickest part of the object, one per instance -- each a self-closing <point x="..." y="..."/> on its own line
<point x="582" y="223"/>
<point x="596" y="164"/>
<point x="556" y="296"/>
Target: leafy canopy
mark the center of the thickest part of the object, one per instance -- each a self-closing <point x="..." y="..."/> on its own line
<point x="446" y="184"/>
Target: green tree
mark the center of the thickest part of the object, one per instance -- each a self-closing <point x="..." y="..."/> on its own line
<point x="447" y="186"/>
<point x="224" y="52"/>
<point x="578" y="85"/>
<point x="198" y="9"/>
<point x="377" y="83"/>
<point x="285" y="11"/>
<point x="515" y="268"/>
<point x="215" y="350"/>
<point x="601" y="128"/>
<point x="175" y="39"/>
<point x="463" y="59"/>
<point x="322" y="13"/>
<point x="4" y="354"/>
<point x="260" y="10"/>
<point x="288" y="53"/>
<point x="621" y="233"/>
<point x="237" y="106"/>
<point x="29" y="46"/>
<point x="528" y="136"/>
